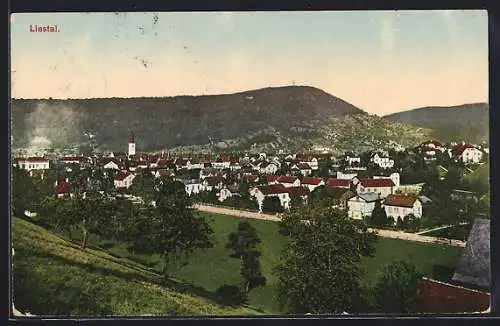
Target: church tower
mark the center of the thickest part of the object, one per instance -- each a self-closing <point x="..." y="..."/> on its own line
<point x="131" y="144"/>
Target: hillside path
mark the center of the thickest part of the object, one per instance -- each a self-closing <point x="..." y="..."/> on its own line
<point x="383" y="233"/>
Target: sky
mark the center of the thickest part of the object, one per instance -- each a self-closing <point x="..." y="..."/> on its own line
<point x="380" y="61"/>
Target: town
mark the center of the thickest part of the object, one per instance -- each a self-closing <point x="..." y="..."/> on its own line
<point x="273" y="183"/>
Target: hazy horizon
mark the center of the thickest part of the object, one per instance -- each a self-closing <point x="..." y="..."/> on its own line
<point x="380" y="61"/>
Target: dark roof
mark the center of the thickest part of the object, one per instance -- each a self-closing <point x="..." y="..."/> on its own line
<point x="474" y="265"/>
<point x="214" y="180"/>
<point x="400" y="200"/>
<point x="339" y="193"/>
<point x="273" y="189"/>
<point x="438" y="297"/>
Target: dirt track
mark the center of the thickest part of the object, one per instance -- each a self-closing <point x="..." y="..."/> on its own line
<point x="382" y="233"/>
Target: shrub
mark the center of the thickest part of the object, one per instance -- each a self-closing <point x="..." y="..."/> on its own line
<point x="230" y="295"/>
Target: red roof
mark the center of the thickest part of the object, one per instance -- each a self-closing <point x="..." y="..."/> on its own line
<point x="400" y="200"/>
<point x="34" y="159"/>
<point x="342" y="183"/>
<point x="438" y="297"/>
<point x="287" y="179"/>
<point x="374" y="183"/>
<point x="273" y="189"/>
<point x="120" y="176"/>
<point x="298" y="191"/>
<point x="162" y="162"/>
<point x="459" y="149"/>
<point x="311" y="181"/>
<point x="62" y="187"/>
<point x="272" y="178"/>
<point x="181" y="162"/>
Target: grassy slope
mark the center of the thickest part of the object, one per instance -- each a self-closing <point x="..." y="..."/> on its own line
<point x="213" y="267"/>
<point x="93" y="282"/>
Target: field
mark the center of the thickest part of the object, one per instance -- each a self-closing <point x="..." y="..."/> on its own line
<point x="211" y="268"/>
<point x="53" y="277"/>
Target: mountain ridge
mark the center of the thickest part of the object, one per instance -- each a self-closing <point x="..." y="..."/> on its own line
<point x="287" y="117"/>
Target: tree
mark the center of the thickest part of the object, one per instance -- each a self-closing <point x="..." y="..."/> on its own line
<point x="272" y="204"/>
<point x="243" y="244"/>
<point x="243" y="241"/>
<point x="379" y="216"/>
<point x="411" y="223"/>
<point x="320" y="270"/>
<point x="24" y="192"/>
<point x="176" y="227"/>
<point x="396" y="288"/>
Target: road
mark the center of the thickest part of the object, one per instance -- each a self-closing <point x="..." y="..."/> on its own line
<point x="383" y="233"/>
<point x="440" y="228"/>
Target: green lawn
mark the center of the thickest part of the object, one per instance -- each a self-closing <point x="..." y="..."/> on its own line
<point x="213" y="267"/>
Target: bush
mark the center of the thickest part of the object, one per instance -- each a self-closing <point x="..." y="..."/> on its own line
<point x="230" y="295"/>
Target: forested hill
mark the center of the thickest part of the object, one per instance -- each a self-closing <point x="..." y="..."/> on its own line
<point x="291" y="117"/>
<point x="468" y="122"/>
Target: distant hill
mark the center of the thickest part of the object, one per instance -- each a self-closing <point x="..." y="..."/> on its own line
<point x="52" y="276"/>
<point x="291" y="117"/>
<point x="462" y="122"/>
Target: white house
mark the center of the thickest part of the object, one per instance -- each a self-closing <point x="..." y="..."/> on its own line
<point x="289" y="181"/>
<point x="227" y="192"/>
<point x="383" y="187"/>
<point x="312" y="183"/>
<point x="304" y="169"/>
<point x="267" y="168"/>
<point x="401" y="205"/>
<point x="468" y="153"/>
<point x="192" y="164"/>
<point x="362" y="205"/>
<point x="382" y="162"/>
<point x="73" y="159"/>
<point x="33" y="163"/>
<point x="276" y="190"/>
<point x="123" y="179"/>
<point x="310" y="160"/>
<point x="194" y="186"/>
<point x="431" y="147"/>
<point x="342" y="175"/>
